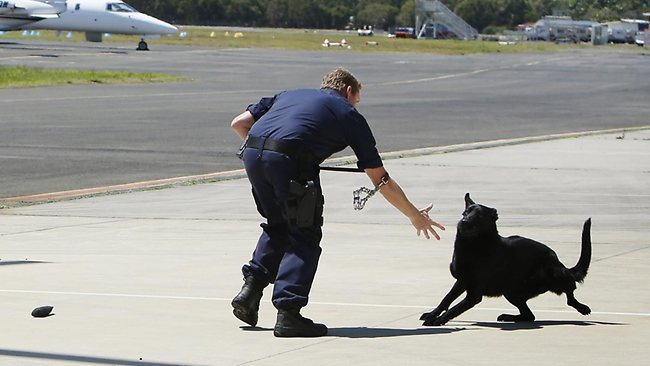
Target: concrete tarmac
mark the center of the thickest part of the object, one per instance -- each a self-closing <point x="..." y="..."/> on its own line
<point x="146" y="278"/>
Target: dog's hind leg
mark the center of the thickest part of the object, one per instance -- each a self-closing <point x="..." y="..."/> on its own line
<point x="525" y="315"/>
<point x="571" y="301"/>
<point x="452" y="295"/>
<point x="566" y="284"/>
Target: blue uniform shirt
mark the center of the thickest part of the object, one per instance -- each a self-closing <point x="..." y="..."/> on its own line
<point x="321" y="119"/>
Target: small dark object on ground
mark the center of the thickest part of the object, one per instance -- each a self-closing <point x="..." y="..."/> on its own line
<point x="42" y="312"/>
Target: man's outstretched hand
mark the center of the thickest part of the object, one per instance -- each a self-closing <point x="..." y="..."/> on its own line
<point x="423" y="223"/>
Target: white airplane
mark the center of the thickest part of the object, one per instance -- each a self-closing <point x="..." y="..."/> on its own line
<point x="94" y="17"/>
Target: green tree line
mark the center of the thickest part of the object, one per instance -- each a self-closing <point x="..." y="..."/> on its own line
<point x="382" y="14"/>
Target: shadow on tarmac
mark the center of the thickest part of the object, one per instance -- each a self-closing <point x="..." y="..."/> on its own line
<point x="82" y="359"/>
<point x="255" y="329"/>
<point x="8" y="263"/>
<point x="364" y="332"/>
<point x="537" y="324"/>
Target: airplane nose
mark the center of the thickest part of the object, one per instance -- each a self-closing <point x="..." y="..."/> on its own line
<point x="145" y="24"/>
<point x="166" y="28"/>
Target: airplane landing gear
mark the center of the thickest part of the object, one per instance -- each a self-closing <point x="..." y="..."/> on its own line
<point x="142" y="45"/>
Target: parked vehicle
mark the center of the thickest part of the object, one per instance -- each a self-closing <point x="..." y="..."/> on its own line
<point x="626" y="30"/>
<point x="365" y="31"/>
<point x="404" y="32"/>
<point x="641" y="38"/>
<point x="617" y="35"/>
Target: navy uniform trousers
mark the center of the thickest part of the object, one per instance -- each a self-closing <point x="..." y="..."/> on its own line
<point x="285" y="256"/>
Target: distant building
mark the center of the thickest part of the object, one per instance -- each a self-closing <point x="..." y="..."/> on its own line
<point x="560" y="29"/>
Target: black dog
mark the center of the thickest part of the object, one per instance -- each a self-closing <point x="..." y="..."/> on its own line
<point x="487" y="264"/>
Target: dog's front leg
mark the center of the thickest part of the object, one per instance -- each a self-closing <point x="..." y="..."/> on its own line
<point x="467" y="303"/>
<point x="456" y="290"/>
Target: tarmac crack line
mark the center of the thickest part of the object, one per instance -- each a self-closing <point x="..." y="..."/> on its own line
<point x="61" y="227"/>
<point x="328" y="339"/>
<point x="622" y="253"/>
<point x="467" y="73"/>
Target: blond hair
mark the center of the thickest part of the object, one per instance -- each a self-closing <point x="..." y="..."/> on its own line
<point x="339" y="79"/>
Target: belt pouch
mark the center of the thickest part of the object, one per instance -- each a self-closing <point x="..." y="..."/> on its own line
<point x="300" y="208"/>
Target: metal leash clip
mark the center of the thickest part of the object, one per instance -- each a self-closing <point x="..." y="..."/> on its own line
<point x="359" y="202"/>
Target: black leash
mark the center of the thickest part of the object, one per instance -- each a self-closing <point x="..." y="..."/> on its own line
<point x="341" y="169"/>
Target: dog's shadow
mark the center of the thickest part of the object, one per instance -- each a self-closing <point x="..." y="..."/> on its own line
<point x="364" y="332"/>
<point x="540" y="324"/>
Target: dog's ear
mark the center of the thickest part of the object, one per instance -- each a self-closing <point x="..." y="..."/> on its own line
<point x="468" y="200"/>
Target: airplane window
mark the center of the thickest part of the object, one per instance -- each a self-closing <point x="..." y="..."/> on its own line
<point x="120" y="7"/>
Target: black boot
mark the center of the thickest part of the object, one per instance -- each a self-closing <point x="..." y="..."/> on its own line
<point x="291" y="324"/>
<point x="247" y="302"/>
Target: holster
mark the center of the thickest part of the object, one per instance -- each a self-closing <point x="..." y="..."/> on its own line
<point x="240" y="152"/>
<point x="305" y="206"/>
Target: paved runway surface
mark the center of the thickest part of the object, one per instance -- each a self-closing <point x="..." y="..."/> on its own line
<point x="62" y="138"/>
<point x="146" y="278"/>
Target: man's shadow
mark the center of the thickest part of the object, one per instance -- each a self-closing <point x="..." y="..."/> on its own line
<point x="365" y="332"/>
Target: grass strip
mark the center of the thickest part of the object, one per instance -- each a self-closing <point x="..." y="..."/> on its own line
<point x="304" y="39"/>
<point x="20" y="76"/>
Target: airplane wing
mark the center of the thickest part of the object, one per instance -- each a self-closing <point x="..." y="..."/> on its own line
<point x="33" y="18"/>
<point x="28" y="10"/>
<point x="18" y="13"/>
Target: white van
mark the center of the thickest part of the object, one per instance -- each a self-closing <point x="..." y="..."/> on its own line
<point x="643" y="38"/>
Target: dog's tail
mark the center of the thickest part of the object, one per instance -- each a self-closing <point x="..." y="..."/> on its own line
<point x="579" y="272"/>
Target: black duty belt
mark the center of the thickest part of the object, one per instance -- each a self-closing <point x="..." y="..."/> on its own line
<point x="288" y="148"/>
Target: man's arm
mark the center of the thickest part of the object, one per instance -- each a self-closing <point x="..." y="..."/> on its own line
<point x="242" y="124"/>
<point x="393" y="193"/>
